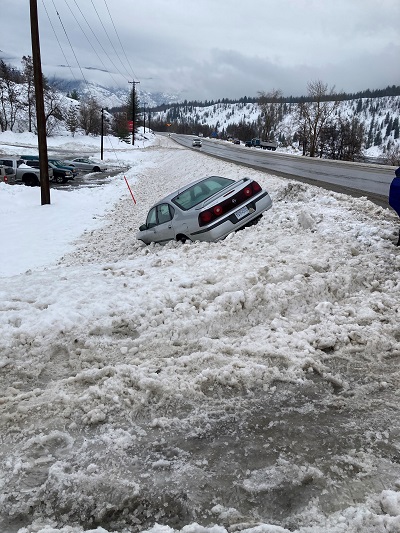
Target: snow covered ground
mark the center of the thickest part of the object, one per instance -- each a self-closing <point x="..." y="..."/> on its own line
<point x="246" y="385"/>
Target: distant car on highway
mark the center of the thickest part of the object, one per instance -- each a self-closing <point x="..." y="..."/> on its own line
<point x="197" y="142"/>
<point x="85" y="164"/>
<point x="205" y="210"/>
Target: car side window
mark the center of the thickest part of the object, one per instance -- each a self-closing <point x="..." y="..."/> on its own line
<point x="163" y="213"/>
<point x="151" y="220"/>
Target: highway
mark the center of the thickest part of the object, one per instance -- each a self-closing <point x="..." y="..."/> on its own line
<point x="357" y="179"/>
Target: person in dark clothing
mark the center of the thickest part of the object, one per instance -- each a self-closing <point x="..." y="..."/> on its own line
<point x="394" y="195"/>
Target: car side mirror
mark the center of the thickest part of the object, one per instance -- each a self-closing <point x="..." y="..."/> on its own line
<point x="143" y="227"/>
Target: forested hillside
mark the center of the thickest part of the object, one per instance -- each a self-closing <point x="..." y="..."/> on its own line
<point x="345" y="128"/>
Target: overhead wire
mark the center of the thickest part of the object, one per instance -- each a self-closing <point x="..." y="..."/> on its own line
<point x="101" y="46"/>
<point x="106" y="32"/>
<point x="58" y="40"/>
<point x="73" y="51"/>
<point x="88" y="40"/>
<point x="70" y="44"/>
<point x="122" y="48"/>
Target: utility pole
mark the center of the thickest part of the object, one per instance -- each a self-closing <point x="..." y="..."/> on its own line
<point x="41" y="121"/>
<point x="144" y="117"/>
<point x="133" y="110"/>
<point x="102" y="133"/>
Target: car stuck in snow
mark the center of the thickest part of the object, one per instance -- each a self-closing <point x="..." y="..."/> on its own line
<point x="205" y="210"/>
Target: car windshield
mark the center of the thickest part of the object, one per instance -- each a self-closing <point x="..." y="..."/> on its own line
<point x="57" y="163"/>
<point x="199" y="192"/>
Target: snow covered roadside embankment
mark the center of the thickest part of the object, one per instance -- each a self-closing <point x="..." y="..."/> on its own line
<point x="242" y="383"/>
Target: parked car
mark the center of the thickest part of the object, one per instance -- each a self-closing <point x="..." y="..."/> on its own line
<point x="85" y="164"/>
<point x="60" y="164"/>
<point x="197" y="142"/>
<point x="7" y="174"/>
<point x="205" y="210"/>
<point x="56" y="162"/>
<point x="236" y="141"/>
<point x="60" y="175"/>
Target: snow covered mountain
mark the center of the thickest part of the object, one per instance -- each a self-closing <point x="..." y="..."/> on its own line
<point x="111" y="97"/>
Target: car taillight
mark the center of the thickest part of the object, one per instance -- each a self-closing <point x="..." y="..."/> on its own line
<point x="248" y="191"/>
<point x="217" y="210"/>
<point x="256" y="187"/>
<point x="205" y="217"/>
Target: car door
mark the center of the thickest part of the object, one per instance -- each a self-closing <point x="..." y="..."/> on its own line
<point x="160" y="223"/>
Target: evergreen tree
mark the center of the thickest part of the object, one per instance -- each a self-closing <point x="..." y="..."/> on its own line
<point x="72" y="120"/>
<point x="389" y="127"/>
<point x="132" y="109"/>
<point x="74" y="94"/>
<point x="370" y="137"/>
<point x="396" y="127"/>
<point x="378" y="139"/>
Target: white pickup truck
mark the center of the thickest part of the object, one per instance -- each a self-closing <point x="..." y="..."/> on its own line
<point x="23" y="173"/>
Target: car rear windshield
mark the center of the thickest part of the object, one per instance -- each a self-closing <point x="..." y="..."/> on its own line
<point x="199" y="192"/>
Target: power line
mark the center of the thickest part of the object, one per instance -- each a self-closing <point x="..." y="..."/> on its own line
<point x="105" y="31"/>
<point x="101" y="46"/>
<point x="88" y="40"/>
<point x="59" y="44"/>
<point x="73" y="51"/>
<point x="126" y="57"/>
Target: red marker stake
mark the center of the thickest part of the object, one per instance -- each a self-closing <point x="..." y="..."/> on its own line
<point x="130" y="190"/>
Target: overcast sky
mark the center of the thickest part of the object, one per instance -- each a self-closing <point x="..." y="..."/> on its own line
<point x="211" y="49"/>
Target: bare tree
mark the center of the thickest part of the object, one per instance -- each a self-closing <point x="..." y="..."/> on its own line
<point x="314" y="113"/>
<point x="10" y="103"/>
<point x="270" y="106"/>
<point x="54" y="109"/>
<point x="90" y="116"/>
<point x="28" y="80"/>
<point x="342" y="139"/>
<point x="393" y="156"/>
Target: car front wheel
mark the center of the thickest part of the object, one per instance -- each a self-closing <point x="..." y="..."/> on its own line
<point x="96" y="169"/>
<point x="59" y="179"/>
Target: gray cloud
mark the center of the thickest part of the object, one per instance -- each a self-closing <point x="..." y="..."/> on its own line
<point x="210" y="50"/>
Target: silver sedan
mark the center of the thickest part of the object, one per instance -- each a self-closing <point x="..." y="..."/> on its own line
<point x="205" y="210"/>
<point x="85" y="164"/>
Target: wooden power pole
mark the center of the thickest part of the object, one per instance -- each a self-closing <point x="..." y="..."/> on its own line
<point x="41" y="121"/>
